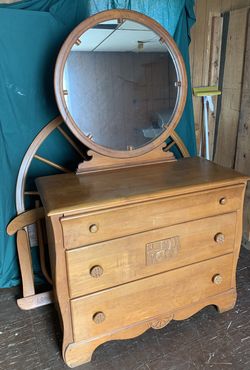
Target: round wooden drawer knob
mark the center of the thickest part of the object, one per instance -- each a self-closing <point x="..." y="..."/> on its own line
<point x="98" y="317"/>
<point x="219" y="238"/>
<point x="96" y="271"/>
<point x="223" y="201"/>
<point x="217" y="279"/>
<point x="93" y="228"/>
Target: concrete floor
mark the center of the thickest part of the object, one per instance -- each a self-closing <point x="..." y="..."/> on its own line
<point x="30" y="340"/>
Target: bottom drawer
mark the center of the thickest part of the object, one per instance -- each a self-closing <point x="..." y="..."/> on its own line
<point x="118" y="307"/>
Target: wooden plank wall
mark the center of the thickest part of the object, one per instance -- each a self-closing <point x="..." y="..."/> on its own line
<point x="233" y="134"/>
<point x="228" y="120"/>
<point x="201" y="44"/>
<point x="242" y="162"/>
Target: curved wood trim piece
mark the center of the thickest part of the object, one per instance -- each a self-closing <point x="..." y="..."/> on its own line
<point x="178" y="61"/>
<point x="81" y="352"/>
<point x="24" y="219"/>
<point x="100" y="162"/>
<point x="182" y="147"/>
<point x="60" y="279"/>
<point x="21" y="178"/>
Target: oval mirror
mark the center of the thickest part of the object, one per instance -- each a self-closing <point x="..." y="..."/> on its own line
<point x="120" y="83"/>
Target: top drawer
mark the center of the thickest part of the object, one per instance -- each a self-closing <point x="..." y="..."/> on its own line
<point x="85" y="229"/>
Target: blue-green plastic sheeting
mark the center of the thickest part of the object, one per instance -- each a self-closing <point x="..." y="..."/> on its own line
<point x="31" y="34"/>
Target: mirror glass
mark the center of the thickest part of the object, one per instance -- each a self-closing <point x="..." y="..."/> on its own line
<point x="120" y="84"/>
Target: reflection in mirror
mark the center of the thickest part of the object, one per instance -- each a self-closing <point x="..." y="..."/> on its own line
<point x="120" y="85"/>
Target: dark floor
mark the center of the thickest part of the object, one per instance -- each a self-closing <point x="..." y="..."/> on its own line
<point x="30" y="340"/>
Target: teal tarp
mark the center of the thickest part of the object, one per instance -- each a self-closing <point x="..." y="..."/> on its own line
<point x="31" y="34"/>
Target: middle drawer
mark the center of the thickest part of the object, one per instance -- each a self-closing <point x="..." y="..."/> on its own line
<point x="103" y="265"/>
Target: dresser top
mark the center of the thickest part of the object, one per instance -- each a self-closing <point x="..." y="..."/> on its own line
<point x="70" y="193"/>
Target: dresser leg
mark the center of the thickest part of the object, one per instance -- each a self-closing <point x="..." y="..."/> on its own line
<point x="227" y="302"/>
<point x="80" y="353"/>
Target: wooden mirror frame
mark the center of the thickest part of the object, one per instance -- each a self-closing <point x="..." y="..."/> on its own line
<point x="176" y="57"/>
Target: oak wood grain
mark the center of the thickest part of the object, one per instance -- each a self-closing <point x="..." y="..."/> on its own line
<point x="81" y="352"/>
<point x="133" y="248"/>
<point x="146" y="298"/>
<point x="149" y="215"/>
<point x="125" y="259"/>
<point x="24" y="255"/>
<point x="69" y="193"/>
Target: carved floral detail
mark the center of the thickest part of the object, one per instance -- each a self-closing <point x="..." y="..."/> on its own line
<point x="160" y="323"/>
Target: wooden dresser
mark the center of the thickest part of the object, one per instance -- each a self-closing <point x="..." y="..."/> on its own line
<point x="136" y="237"/>
<point x="137" y="247"/>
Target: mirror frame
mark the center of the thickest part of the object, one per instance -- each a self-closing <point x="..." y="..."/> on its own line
<point x="177" y="59"/>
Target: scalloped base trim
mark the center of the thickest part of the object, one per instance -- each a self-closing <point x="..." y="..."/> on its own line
<point x="81" y="352"/>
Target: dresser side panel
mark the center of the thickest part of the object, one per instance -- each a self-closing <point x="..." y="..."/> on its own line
<point x="60" y="278"/>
